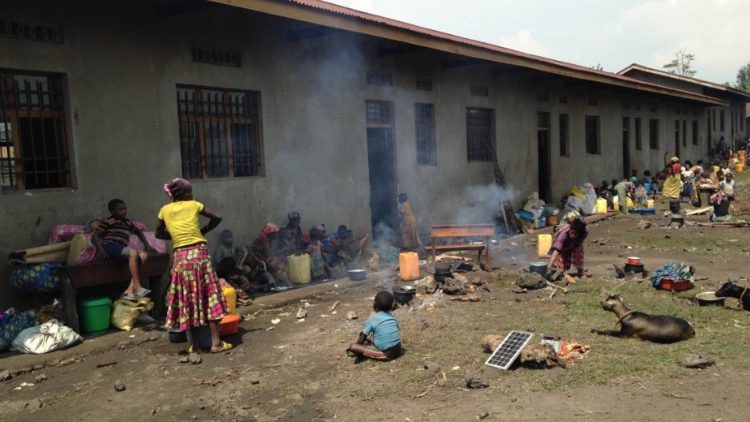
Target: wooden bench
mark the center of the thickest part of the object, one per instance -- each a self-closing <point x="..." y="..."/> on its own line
<point x="485" y="231"/>
<point x="110" y="272"/>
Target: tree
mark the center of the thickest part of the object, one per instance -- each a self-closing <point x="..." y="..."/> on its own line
<point x="743" y="78"/>
<point x="681" y="64"/>
<point x="598" y="67"/>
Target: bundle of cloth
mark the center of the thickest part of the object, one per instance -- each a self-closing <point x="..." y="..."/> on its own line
<point x="676" y="277"/>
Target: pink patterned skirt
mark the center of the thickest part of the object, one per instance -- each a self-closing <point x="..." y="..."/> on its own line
<point x="194" y="296"/>
<point x="572" y="257"/>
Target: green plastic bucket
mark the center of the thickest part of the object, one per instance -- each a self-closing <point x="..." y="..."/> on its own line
<point x="94" y="315"/>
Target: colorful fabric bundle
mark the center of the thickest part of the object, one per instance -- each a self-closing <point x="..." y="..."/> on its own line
<point x="673" y="277"/>
<point x="36" y="278"/>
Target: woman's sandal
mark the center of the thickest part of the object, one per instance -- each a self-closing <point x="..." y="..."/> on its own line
<point x="223" y="348"/>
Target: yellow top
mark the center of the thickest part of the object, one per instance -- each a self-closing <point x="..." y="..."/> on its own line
<point x="181" y="219"/>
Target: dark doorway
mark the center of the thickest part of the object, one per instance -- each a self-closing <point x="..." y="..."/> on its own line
<point x="382" y="168"/>
<point x="708" y="134"/>
<point x="626" y="170"/>
<point x="544" y="153"/>
<point x="677" y="138"/>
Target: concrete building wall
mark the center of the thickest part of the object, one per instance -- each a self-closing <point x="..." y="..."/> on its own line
<point x="122" y="64"/>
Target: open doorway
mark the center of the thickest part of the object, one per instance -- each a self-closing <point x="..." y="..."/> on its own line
<point x="677" y="138"/>
<point x="544" y="154"/>
<point x="626" y="170"/>
<point x="382" y="168"/>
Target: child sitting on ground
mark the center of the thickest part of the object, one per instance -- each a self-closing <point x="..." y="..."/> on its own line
<point x="111" y="241"/>
<point x="386" y="335"/>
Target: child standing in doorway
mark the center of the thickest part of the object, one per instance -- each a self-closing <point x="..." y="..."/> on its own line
<point x="194" y="297"/>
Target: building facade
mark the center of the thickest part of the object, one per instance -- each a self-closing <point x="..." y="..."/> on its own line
<point x="272" y="106"/>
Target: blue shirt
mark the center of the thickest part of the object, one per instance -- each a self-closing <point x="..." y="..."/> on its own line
<point x="384" y="329"/>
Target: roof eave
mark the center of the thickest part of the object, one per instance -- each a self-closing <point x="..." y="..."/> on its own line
<point x="474" y="50"/>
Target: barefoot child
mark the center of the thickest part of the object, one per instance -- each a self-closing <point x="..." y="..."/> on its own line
<point x="111" y="241"/>
<point x="194" y="297"/>
<point x="386" y="335"/>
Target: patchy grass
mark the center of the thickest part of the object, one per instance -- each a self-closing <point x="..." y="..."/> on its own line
<point x="454" y="335"/>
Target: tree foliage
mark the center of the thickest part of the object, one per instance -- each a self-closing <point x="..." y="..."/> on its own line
<point x="681" y="65"/>
<point x="743" y="78"/>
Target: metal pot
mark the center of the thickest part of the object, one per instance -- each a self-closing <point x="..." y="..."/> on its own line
<point x="177" y="336"/>
<point x="539" y="267"/>
<point x="404" y="294"/>
<point x="709" y="299"/>
<point x="634" y="260"/>
<point x="634" y="268"/>
<point x="357" y="275"/>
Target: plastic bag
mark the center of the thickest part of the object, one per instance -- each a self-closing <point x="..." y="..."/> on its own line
<point x="48" y="337"/>
<point x="126" y="312"/>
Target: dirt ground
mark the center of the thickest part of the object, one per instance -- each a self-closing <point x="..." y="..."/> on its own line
<point x="297" y="370"/>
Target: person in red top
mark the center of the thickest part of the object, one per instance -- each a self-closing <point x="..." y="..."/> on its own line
<point x="111" y="241"/>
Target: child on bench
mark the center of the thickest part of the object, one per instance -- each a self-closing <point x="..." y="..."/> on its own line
<point x="386" y="335"/>
<point x="111" y="241"/>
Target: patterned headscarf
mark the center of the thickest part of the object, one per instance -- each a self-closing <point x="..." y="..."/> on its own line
<point x="177" y="187"/>
<point x="269" y="229"/>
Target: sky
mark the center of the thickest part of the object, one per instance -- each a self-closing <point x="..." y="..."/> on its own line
<point x="610" y="33"/>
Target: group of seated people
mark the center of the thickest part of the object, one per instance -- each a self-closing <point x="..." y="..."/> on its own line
<point x="263" y="266"/>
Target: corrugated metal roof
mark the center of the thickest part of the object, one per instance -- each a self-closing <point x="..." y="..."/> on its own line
<point x="532" y="61"/>
<point x="688" y="79"/>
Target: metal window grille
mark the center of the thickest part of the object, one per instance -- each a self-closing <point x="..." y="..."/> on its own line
<point x="480" y="134"/>
<point x="564" y="135"/>
<point x="220" y="132"/>
<point x="684" y="133"/>
<point x="424" y="84"/>
<point x="425" y="134"/>
<point x="713" y="118"/>
<point x="695" y="132"/>
<point x="653" y="133"/>
<point x="219" y="57"/>
<point x="379" y="113"/>
<point x="638" y="134"/>
<point x="592" y="135"/>
<point x="478" y="90"/>
<point x="543" y="120"/>
<point x="31" y="31"/>
<point x="33" y="145"/>
<point x="380" y="78"/>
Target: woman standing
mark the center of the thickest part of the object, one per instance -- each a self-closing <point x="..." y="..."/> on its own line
<point x="194" y="297"/>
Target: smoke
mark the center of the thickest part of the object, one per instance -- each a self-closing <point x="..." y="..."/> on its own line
<point x="480" y="204"/>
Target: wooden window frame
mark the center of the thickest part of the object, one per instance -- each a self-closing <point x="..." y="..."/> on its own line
<point x="653" y="134"/>
<point x="22" y="107"/>
<point x="593" y="146"/>
<point x="205" y="120"/>
<point x="564" y="133"/>
<point x="486" y="151"/>
<point x="424" y="128"/>
<point x="638" y="134"/>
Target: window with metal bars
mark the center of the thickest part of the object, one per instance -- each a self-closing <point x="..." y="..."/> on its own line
<point x="593" y="140"/>
<point x="33" y="135"/>
<point x="564" y="136"/>
<point x="220" y="132"/>
<point x="480" y="134"/>
<point x="653" y="133"/>
<point x="379" y="113"/>
<point x="424" y="115"/>
<point x="638" y="134"/>
<point x="694" y="133"/>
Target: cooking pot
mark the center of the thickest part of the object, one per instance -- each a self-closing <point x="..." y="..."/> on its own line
<point x="539" y="267"/>
<point x="357" y="275"/>
<point x="634" y="268"/>
<point x="634" y="260"/>
<point x="404" y="294"/>
<point x="709" y="299"/>
<point x="177" y="336"/>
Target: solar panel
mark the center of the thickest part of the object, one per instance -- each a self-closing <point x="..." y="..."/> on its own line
<point x="509" y="349"/>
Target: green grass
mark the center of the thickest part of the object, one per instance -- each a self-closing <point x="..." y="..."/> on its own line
<point x="454" y="335"/>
